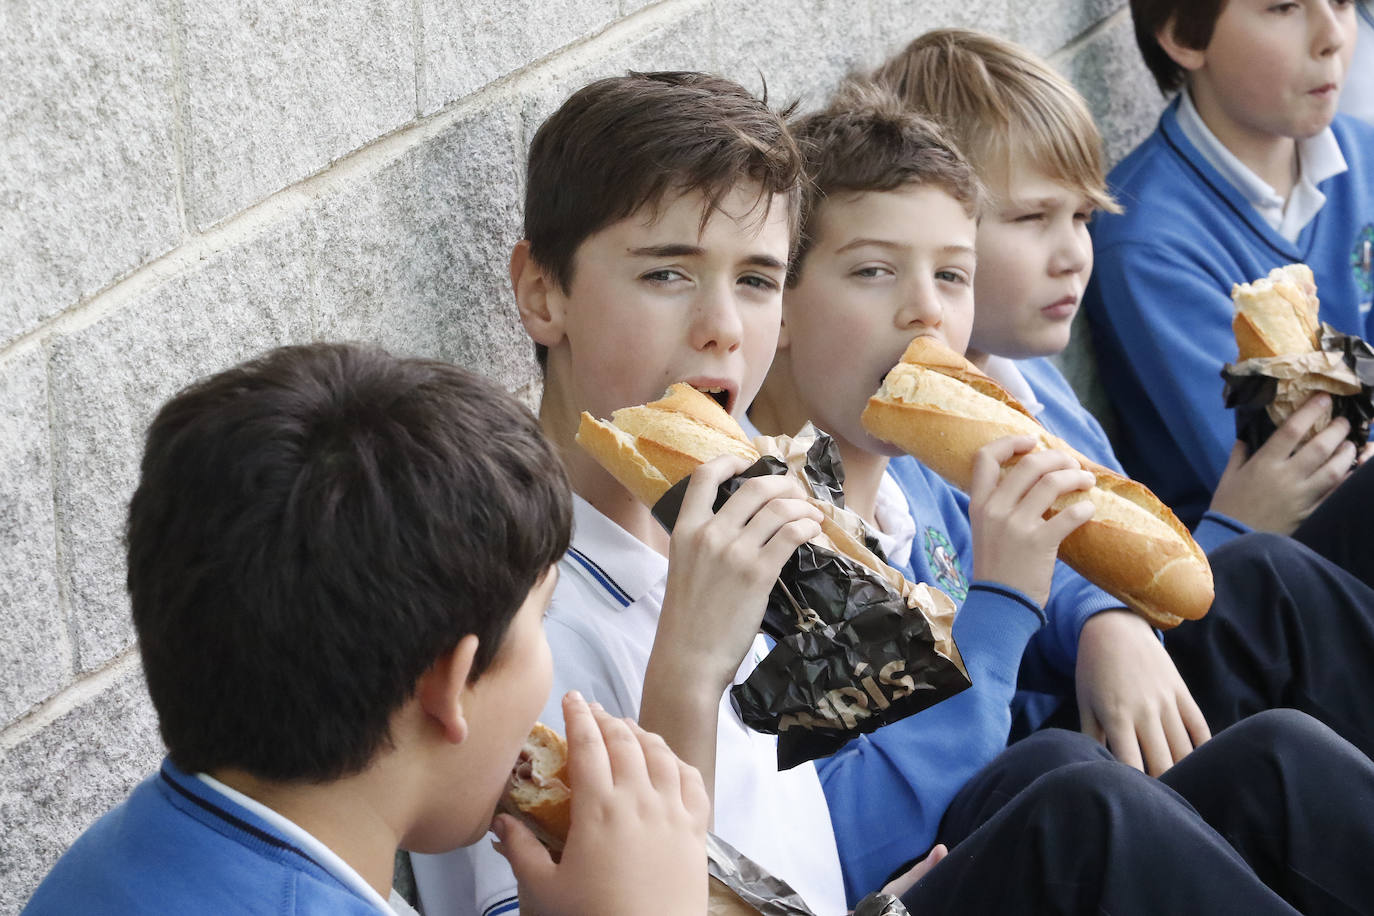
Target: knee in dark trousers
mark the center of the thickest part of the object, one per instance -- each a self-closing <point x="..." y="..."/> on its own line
<point x="1009" y="773"/>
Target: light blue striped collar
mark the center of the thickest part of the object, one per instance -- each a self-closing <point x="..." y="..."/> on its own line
<point x="610" y="557"/>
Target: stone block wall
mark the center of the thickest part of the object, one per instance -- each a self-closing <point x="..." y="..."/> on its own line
<point x="185" y="184"/>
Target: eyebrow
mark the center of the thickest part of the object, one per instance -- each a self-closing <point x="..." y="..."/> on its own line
<point x="895" y="246"/>
<point x="678" y="250"/>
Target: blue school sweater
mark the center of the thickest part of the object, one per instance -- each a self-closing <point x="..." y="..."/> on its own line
<point x="1066" y="417"/>
<point x="177" y="846"/>
<point x="888" y="790"/>
<point x="1159" y="297"/>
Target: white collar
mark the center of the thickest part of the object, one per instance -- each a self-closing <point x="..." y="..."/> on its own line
<point x="615" y="560"/>
<point x="1319" y="158"/>
<point x="1005" y="372"/>
<point x="289" y="830"/>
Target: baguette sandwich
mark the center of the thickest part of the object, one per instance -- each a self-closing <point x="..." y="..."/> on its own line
<point x="1277" y="315"/>
<point x="939" y="407"/>
<point x="538" y="792"/>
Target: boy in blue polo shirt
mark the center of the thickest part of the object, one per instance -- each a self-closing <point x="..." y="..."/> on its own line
<point x="339" y="564"/>
<point x="1039" y="154"/>
<point x="888" y="247"/>
<point x="1249" y="169"/>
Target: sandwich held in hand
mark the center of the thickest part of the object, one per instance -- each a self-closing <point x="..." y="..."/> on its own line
<point x="942" y="409"/>
<point x="1287" y="355"/>
<point x="858" y="645"/>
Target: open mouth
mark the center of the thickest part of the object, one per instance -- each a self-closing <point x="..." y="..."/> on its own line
<point x="719" y="395"/>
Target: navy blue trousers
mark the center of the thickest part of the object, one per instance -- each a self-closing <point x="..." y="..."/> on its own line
<point x="1339" y="529"/>
<point x="1273" y="815"/>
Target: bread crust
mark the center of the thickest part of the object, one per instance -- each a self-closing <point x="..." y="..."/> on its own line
<point x="1276" y="315"/>
<point x="1134" y="547"/>
<point x="543" y="799"/>
<point x="650" y="447"/>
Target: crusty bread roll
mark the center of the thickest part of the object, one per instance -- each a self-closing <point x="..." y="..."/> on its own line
<point x="538" y="791"/>
<point x="650" y="447"/>
<point x="1277" y="315"/>
<point x="939" y="407"/>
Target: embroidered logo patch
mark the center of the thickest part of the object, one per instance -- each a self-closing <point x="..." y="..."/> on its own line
<point x="1361" y="268"/>
<point x="944" y="563"/>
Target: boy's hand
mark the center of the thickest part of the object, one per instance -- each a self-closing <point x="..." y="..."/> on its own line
<point x="637" y="841"/>
<point x="722" y="565"/>
<point x="1013" y="543"/>
<point x="1281" y="483"/>
<point x="1131" y="697"/>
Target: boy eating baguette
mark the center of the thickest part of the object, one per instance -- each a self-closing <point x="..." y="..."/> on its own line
<point x="889" y="254"/>
<point x="1029" y="133"/>
<point x="339" y="563"/>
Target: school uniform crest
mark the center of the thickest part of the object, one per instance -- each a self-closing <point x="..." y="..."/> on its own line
<point x="1361" y="267"/>
<point x="943" y="562"/>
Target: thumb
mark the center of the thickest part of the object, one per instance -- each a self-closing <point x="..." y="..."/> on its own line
<point x="1240" y="453"/>
<point x="531" y="862"/>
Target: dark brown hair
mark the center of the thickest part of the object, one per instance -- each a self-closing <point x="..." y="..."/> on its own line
<point x="311" y="531"/>
<point x="1192" y="23"/>
<point x="866" y="140"/>
<point x="625" y="143"/>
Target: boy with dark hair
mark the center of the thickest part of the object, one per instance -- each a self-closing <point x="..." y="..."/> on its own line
<point x="890" y="235"/>
<point x="1249" y="169"/>
<point x="338" y="566"/>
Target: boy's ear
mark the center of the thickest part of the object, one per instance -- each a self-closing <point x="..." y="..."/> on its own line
<point x="537" y="295"/>
<point x="784" y="340"/>
<point x="1188" y="58"/>
<point x="441" y="689"/>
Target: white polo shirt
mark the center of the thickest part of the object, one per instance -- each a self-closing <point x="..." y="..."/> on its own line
<point x="601" y="626"/>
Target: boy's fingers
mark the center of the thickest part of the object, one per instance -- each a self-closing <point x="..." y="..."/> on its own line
<point x="1289" y="433"/>
<point x="1122" y="742"/>
<point x="589" y="766"/>
<point x="694" y="795"/>
<point x="1088" y="725"/>
<point x="1069" y="519"/>
<point x="758" y="494"/>
<point x="1240" y="453"/>
<point x="1046" y="491"/>
<point x="700" y="497"/>
<point x="531" y="862"/>
<point x="1193" y="719"/>
<point x="1154" y="746"/>
<point x="1031" y="471"/>
<point x="624" y="751"/>
<point x="988" y="461"/>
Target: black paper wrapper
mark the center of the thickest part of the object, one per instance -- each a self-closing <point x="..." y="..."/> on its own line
<point x="1250" y="390"/>
<point x="850" y="656"/>
<point x="772" y="896"/>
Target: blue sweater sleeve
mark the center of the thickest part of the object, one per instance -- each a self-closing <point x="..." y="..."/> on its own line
<point x="1216" y="529"/>
<point x="888" y="790"/>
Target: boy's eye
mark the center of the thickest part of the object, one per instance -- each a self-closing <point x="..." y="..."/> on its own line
<point x="1083" y="216"/>
<point x="951" y="276"/>
<point x="758" y="281"/>
<point x="664" y="275"/>
<point x="1029" y="217"/>
<point x="871" y="271"/>
<point x="1283" y="7"/>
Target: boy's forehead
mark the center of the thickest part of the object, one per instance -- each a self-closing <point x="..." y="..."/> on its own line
<point x="690" y="217"/>
<point x="853" y="214"/>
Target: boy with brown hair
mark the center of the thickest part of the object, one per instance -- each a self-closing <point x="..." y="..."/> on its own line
<point x="338" y="566"/>
<point x="889" y="241"/>
<point x="1250" y="168"/>
<point x="1037" y="149"/>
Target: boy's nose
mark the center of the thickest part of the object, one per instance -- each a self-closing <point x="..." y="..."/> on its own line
<point x="920" y="307"/>
<point x="1329" y="27"/>
<point x="716" y="321"/>
<point x="1072" y="255"/>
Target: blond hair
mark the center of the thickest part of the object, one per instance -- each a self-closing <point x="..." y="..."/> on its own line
<point x="1002" y="105"/>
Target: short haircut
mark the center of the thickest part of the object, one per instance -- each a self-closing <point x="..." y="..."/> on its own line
<point x="312" y="530"/>
<point x="1192" y="23"/>
<point x="625" y="143"/>
<point x="1001" y="104"/>
<point x="865" y="139"/>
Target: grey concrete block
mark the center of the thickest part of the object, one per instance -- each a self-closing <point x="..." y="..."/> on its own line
<point x="275" y="91"/>
<point x="1078" y="362"/>
<point x="1045" y="27"/>
<point x="87" y="172"/>
<point x="466" y="45"/>
<point x="1120" y="92"/>
<point x="897" y="22"/>
<point x="59" y="781"/>
<point x="34" y="655"/>
<point x="686" y="42"/>
<point x="110" y="378"/>
<point x="801" y="48"/>
<point x="415" y="257"/>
